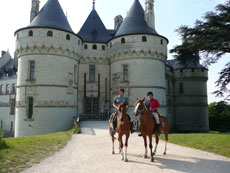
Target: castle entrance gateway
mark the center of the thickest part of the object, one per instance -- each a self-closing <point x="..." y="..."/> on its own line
<point x="91" y="109"/>
<point x="91" y="105"/>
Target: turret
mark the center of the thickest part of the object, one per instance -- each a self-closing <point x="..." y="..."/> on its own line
<point x="137" y="56"/>
<point x="48" y="54"/>
<point x="149" y="13"/>
<point x="34" y="9"/>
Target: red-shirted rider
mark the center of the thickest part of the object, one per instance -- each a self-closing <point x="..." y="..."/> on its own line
<point x="153" y="106"/>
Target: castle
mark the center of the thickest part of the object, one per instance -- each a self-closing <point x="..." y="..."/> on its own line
<point x="57" y="75"/>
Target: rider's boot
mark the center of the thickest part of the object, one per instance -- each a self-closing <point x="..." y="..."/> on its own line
<point x="131" y="128"/>
<point x="114" y="127"/>
<point x="158" y="129"/>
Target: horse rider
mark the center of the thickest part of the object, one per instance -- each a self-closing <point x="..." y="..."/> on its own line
<point x="118" y="100"/>
<point x="153" y="106"/>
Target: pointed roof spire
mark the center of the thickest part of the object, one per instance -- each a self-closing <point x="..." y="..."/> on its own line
<point x="93" y="30"/>
<point x="94" y="4"/>
<point x="51" y="16"/>
<point x="134" y="22"/>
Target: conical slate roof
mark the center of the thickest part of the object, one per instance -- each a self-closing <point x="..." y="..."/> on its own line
<point x="94" y="30"/>
<point x="134" y="22"/>
<point x="51" y="16"/>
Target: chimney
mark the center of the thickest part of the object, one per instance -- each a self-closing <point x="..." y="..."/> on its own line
<point x="3" y="53"/>
<point x="149" y="13"/>
<point x="117" y="22"/>
<point x="34" y="9"/>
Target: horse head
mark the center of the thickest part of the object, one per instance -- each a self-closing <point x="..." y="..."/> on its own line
<point x="139" y="107"/>
<point x="122" y="111"/>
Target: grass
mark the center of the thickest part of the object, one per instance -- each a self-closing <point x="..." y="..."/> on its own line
<point x="20" y="153"/>
<point x="214" y="142"/>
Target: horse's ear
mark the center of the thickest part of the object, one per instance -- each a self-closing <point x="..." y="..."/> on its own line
<point x="143" y="99"/>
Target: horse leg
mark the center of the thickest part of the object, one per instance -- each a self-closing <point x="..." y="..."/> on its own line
<point x="166" y="141"/>
<point x="145" y="143"/>
<point x="151" y="147"/>
<point x="113" y="144"/>
<point x="126" y="147"/>
<point x="157" y="141"/>
<point x="121" y="147"/>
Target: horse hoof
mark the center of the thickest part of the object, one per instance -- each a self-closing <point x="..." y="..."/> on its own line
<point x="126" y="160"/>
<point x="145" y="157"/>
<point x="113" y="152"/>
<point x="154" y="154"/>
<point x="122" y="159"/>
<point x="164" y="153"/>
<point x="152" y="160"/>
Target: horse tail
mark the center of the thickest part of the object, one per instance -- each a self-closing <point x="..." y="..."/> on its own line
<point x="164" y="119"/>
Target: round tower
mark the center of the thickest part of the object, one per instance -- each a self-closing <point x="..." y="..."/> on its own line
<point x="137" y="56"/>
<point x="48" y="53"/>
<point x="191" y="101"/>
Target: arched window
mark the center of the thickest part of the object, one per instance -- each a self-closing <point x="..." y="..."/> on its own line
<point x="144" y="39"/>
<point x="94" y="46"/>
<point x="111" y="44"/>
<point x="79" y="42"/>
<point x="50" y="34"/>
<point x="85" y="46"/>
<point x="123" y="40"/>
<point x="161" y="41"/>
<point x="31" y="33"/>
<point x="103" y="47"/>
<point x="67" y="37"/>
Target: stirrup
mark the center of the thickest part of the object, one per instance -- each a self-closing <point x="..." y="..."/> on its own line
<point x="132" y="131"/>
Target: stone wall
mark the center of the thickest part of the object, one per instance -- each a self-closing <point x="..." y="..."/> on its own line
<point x="146" y="67"/>
<point x="7" y="116"/>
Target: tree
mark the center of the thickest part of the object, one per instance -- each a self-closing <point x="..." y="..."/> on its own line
<point x="219" y="116"/>
<point x="208" y="40"/>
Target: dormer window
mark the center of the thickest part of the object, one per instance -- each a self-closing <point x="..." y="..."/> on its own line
<point x="103" y="47"/>
<point x="50" y="34"/>
<point x="31" y="33"/>
<point x="85" y="46"/>
<point x="122" y="40"/>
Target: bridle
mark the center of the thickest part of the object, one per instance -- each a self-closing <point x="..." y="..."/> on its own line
<point x="137" y="111"/>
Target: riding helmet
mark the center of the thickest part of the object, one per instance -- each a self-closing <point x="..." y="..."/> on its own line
<point x="150" y="93"/>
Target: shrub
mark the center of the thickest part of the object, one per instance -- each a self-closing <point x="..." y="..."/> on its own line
<point x="2" y="142"/>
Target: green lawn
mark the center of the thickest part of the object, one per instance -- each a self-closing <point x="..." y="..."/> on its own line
<point x="218" y="143"/>
<point x="21" y="153"/>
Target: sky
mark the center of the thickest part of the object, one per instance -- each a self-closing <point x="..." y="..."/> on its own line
<point x="170" y="15"/>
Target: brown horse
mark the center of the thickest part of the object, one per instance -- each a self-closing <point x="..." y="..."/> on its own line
<point x="147" y="127"/>
<point x="123" y="128"/>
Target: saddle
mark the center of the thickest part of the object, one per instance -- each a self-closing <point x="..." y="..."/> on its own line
<point x="113" y="118"/>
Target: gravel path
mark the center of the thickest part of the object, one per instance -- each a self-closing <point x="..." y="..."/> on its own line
<point x="91" y="152"/>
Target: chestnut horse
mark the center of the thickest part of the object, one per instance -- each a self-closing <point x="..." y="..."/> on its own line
<point x="147" y="127"/>
<point x="123" y="128"/>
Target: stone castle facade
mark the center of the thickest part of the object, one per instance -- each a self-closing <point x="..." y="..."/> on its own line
<point x="59" y="74"/>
